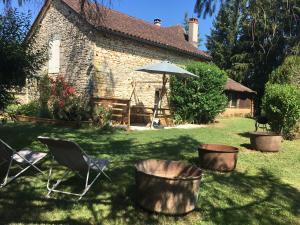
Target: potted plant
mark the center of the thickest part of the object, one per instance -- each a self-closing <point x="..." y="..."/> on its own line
<point x="281" y="106"/>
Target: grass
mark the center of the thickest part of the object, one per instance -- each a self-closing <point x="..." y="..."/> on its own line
<point x="264" y="189"/>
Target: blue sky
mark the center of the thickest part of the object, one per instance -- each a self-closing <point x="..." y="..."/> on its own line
<point x="171" y="12"/>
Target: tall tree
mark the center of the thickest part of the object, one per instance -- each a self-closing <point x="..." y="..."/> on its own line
<point x="224" y="35"/>
<point x="207" y="7"/>
<point x="22" y="2"/>
<point x="186" y="22"/>
<point x="266" y="32"/>
<point x="19" y="60"/>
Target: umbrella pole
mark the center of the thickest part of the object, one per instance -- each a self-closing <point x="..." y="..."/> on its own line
<point x="159" y="100"/>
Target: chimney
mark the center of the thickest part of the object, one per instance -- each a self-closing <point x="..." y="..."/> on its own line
<point x="157" y="22"/>
<point x="193" y="31"/>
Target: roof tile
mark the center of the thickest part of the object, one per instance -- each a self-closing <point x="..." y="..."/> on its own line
<point x="111" y="20"/>
<point x="232" y="85"/>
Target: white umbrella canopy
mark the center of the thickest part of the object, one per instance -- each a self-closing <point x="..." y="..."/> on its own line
<point x="166" y="67"/>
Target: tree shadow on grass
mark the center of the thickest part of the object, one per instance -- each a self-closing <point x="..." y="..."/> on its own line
<point x="20" y="135"/>
<point x="239" y="198"/>
<point x="24" y="201"/>
<point x="245" y="134"/>
<point x="231" y="198"/>
<point x="248" y="146"/>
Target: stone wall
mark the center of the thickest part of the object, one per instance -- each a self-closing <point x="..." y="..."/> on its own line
<point x="103" y="64"/>
<point x="116" y="60"/>
<point x="76" y="49"/>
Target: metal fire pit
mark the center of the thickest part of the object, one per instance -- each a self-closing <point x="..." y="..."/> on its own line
<point x="218" y="157"/>
<point x="169" y="187"/>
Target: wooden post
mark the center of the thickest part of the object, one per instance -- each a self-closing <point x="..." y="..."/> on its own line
<point x="129" y="114"/>
<point x="159" y="100"/>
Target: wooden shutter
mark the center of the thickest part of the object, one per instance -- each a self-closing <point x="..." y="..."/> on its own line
<point x="54" y="56"/>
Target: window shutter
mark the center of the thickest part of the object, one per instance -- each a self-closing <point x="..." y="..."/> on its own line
<point x="54" y="56"/>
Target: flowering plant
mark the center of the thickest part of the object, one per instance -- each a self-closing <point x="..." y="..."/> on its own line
<point x="66" y="104"/>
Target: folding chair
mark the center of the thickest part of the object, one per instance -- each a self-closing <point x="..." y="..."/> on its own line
<point x="24" y="159"/>
<point x="70" y="155"/>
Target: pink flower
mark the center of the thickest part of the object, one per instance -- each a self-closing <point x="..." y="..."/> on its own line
<point x="61" y="104"/>
<point x="71" y="90"/>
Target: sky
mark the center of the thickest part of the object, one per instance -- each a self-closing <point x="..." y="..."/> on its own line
<point x="171" y="12"/>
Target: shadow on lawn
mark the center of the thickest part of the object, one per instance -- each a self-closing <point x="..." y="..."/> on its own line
<point x="233" y="198"/>
<point x="265" y="199"/>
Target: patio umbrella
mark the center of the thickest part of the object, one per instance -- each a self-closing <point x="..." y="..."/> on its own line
<point x="164" y="68"/>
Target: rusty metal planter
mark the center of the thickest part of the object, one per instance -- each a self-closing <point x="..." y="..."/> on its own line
<point x="169" y="187"/>
<point x="265" y="141"/>
<point x="217" y="157"/>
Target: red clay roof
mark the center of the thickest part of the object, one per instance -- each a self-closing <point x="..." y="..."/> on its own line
<point x="111" y="20"/>
<point x="232" y="85"/>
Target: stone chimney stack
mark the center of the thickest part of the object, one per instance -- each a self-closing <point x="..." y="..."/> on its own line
<point x="157" y="22"/>
<point x="193" y="31"/>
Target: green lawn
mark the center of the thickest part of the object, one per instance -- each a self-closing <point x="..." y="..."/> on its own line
<point x="264" y="189"/>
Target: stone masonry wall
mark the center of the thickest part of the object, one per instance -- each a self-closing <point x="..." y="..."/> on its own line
<point x="116" y="60"/>
<point x="100" y="63"/>
<point x="76" y="50"/>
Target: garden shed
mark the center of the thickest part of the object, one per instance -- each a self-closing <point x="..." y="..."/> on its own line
<point x="240" y="99"/>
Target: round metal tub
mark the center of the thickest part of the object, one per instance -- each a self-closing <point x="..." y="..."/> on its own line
<point x="217" y="157"/>
<point x="169" y="187"/>
<point x="265" y="141"/>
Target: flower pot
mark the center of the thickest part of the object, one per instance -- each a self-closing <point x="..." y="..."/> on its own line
<point x="217" y="157"/>
<point x="168" y="187"/>
<point x="265" y="141"/>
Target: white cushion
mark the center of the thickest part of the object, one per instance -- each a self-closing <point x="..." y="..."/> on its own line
<point x="29" y="155"/>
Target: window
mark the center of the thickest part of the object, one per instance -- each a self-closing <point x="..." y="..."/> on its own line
<point x="233" y="100"/>
<point x="157" y="97"/>
<point x="54" y="56"/>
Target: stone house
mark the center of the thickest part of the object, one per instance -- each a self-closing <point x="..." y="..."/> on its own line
<point x="99" y="49"/>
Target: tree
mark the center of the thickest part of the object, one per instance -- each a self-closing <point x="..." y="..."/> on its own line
<point x="22" y="2"/>
<point x="186" y="22"/>
<point x="224" y="36"/>
<point x="267" y="35"/>
<point x="204" y="7"/>
<point x="19" y="61"/>
<point x="266" y="32"/>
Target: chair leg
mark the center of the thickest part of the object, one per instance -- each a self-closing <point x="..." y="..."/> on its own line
<point x="50" y="189"/>
<point x="106" y="176"/>
<point x="8" y="179"/>
<point x="88" y="186"/>
<point x="6" y="176"/>
<point x="80" y="195"/>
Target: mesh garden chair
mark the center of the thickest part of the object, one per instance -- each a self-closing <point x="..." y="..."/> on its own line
<point x="70" y="155"/>
<point x="24" y="159"/>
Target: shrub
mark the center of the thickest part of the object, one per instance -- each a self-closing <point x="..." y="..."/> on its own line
<point x="199" y="100"/>
<point x="12" y="109"/>
<point x="288" y="72"/>
<point x="6" y="97"/>
<point x="30" y="109"/>
<point x="44" y="89"/>
<point x="102" y="117"/>
<point x="66" y="104"/>
<point x="281" y="105"/>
